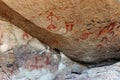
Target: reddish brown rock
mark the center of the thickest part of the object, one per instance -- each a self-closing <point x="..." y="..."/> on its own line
<point x="85" y="30"/>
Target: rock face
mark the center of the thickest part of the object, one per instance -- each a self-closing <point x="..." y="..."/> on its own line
<point x="23" y="57"/>
<point x="100" y="73"/>
<point x="85" y="30"/>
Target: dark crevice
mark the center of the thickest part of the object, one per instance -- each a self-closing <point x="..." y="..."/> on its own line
<point x="105" y="62"/>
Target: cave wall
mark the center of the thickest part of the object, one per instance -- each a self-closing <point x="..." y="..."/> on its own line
<point x="12" y="36"/>
<point x="85" y="30"/>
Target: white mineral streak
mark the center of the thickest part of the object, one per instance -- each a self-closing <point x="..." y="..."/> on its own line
<point x="111" y="72"/>
<point x="10" y="36"/>
<point x="61" y="67"/>
<point x="36" y="44"/>
<point x="25" y="74"/>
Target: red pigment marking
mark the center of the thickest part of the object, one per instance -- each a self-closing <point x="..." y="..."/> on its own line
<point x="47" y="60"/>
<point x="51" y="15"/>
<point x="107" y="29"/>
<point x="4" y="76"/>
<point x="2" y="59"/>
<point x="114" y="37"/>
<point x="102" y="31"/>
<point x="77" y="39"/>
<point x="33" y="17"/>
<point x="25" y="36"/>
<point x="50" y="18"/>
<point x="104" y="39"/>
<point x="1" y="37"/>
<point x="84" y="36"/>
<point x="115" y="15"/>
<point x="99" y="47"/>
<point x="69" y="26"/>
<point x="11" y="70"/>
<point x="36" y="65"/>
<point x="112" y="33"/>
<point x="96" y="32"/>
<point x="51" y="27"/>
<point x="111" y="26"/>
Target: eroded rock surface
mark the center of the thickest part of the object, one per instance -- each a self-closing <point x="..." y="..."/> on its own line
<point x="86" y="31"/>
<point x="23" y="57"/>
<point x="101" y="73"/>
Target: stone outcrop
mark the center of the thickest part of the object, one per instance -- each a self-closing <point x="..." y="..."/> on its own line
<point x="100" y="73"/>
<point x="22" y="57"/>
<point x="85" y="30"/>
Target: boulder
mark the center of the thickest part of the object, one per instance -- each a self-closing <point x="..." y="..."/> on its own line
<point x="111" y="72"/>
<point x="85" y="30"/>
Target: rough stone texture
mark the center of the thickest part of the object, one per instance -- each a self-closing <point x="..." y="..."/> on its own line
<point x="28" y="60"/>
<point x="101" y="73"/>
<point x="19" y="49"/>
<point x="11" y="36"/>
<point x="85" y="30"/>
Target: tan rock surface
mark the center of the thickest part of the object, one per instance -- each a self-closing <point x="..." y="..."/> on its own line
<point x="85" y="30"/>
